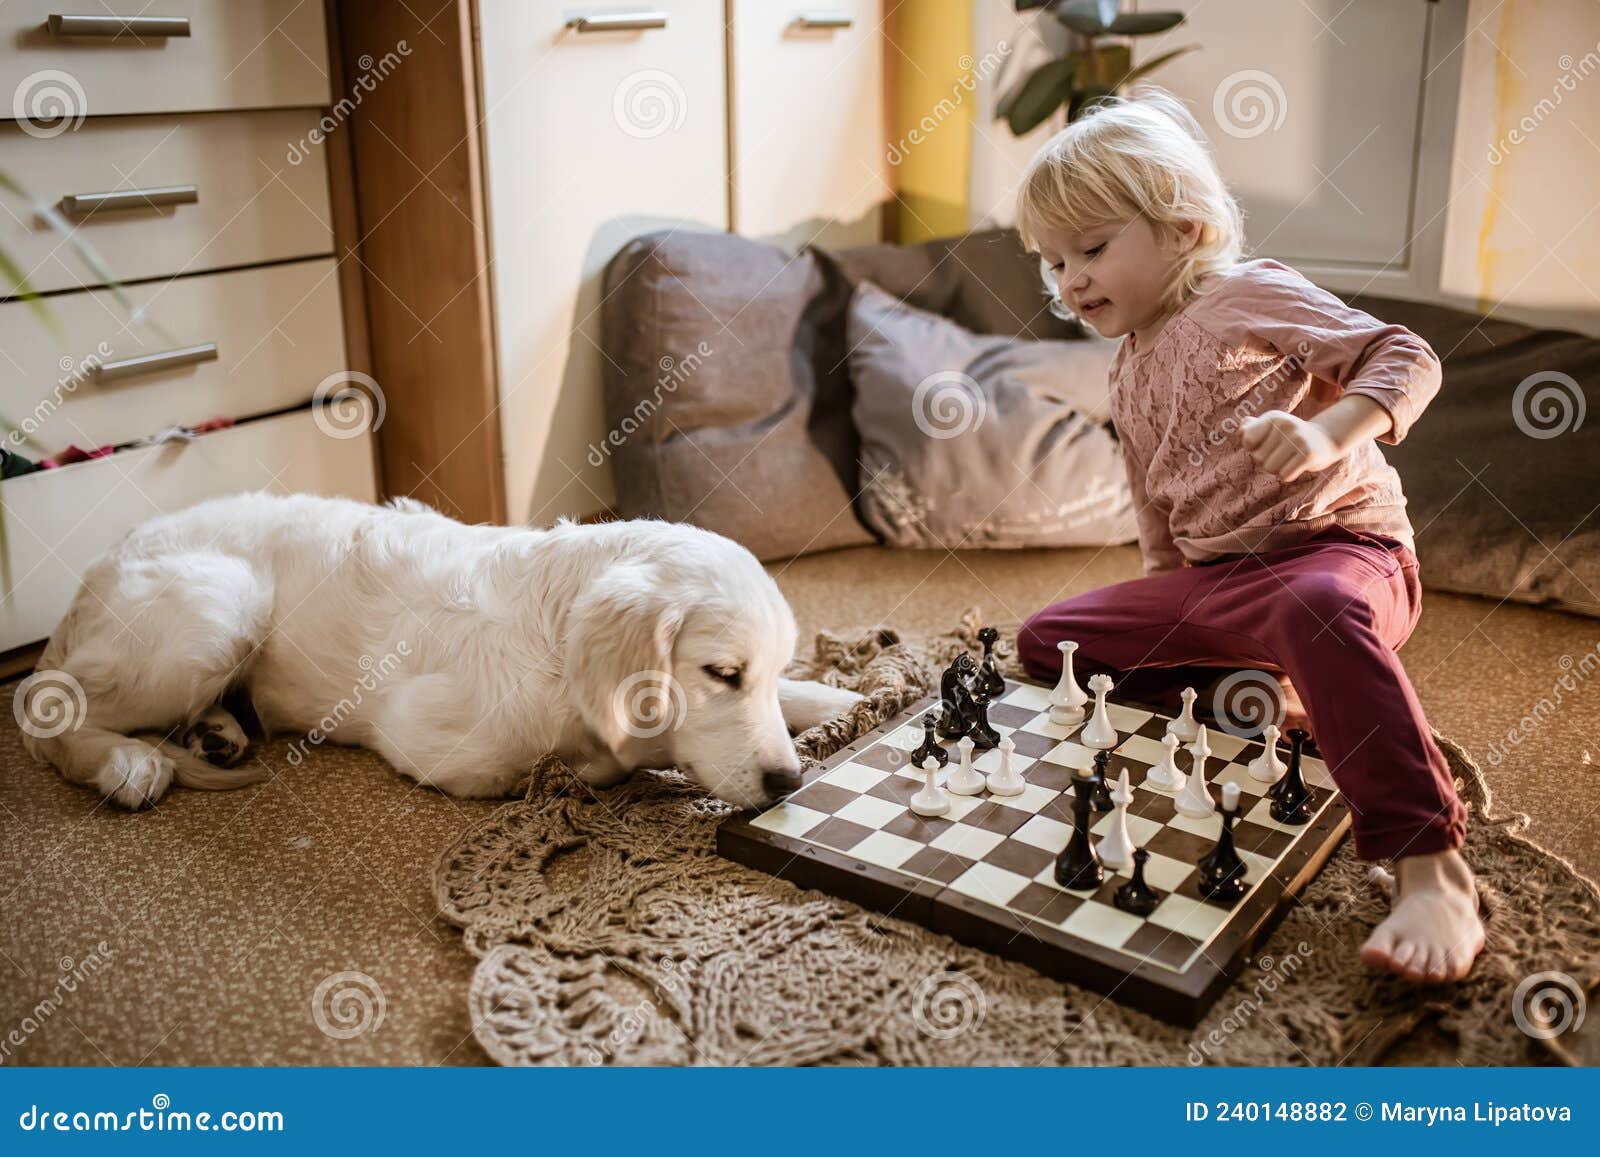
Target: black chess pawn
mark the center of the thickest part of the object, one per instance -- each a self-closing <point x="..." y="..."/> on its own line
<point x="1292" y="801"/>
<point x="955" y="691"/>
<point x="984" y="737"/>
<point x="1078" y="866"/>
<point x="1221" y="870"/>
<point x="1102" y="779"/>
<point x="1136" y="896"/>
<point x="990" y="682"/>
<point x="930" y="745"/>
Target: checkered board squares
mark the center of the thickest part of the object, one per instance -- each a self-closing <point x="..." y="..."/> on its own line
<point x="984" y="871"/>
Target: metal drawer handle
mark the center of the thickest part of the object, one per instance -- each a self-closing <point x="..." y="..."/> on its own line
<point x="155" y="26"/>
<point x="149" y="363"/>
<point x="618" y="21"/>
<point x="824" y="20"/>
<point x="82" y="204"/>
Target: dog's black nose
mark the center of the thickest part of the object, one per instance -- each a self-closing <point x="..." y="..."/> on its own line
<point x="778" y="784"/>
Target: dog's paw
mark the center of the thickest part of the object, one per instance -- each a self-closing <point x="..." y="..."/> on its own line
<point x="217" y="738"/>
<point x="806" y="704"/>
<point x="135" y="776"/>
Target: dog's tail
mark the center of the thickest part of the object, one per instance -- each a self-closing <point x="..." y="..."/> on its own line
<point x="192" y="771"/>
<point x="80" y="755"/>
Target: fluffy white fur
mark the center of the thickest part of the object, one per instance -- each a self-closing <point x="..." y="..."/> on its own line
<point x="461" y="654"/>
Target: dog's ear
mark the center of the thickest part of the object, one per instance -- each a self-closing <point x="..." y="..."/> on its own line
<point x="619" y="659"/>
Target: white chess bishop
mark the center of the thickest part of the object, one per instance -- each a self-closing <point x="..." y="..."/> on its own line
<point x="1116" y="850"/>
<point x="1166" y="775"/>
<point x="1268" y="767"/>
<point x="1195" y="799"/>
<point x="966" y="779"/>
<point x="1098" y="732"/>
<point x="1067" y="700"/>
<point x="1006" y="781"/>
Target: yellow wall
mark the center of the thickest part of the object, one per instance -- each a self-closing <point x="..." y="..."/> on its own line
<point x="930" y="117"/>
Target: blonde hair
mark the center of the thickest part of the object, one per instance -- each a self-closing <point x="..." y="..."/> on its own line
<point x="1143" y="155"/>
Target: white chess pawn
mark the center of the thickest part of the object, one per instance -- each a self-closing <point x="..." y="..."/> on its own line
<point x="1006" y="781"/>
<point x="1195" y="799"/>
<point x="1268" y="767"/>
<point x="1067" y="700"/>
<point x="966" y="779"/>
<point x="1166" y="775"/>
<point x="1116" y="850"/>
<point x="1098" y="732"/>
<point x="1184" y="726"/>
<point x="931" y="800"/>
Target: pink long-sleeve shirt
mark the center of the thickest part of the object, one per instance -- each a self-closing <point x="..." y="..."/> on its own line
<point x="1259" y="337"/>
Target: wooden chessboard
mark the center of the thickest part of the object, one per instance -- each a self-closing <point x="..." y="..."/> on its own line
<point x="983" y="872"/>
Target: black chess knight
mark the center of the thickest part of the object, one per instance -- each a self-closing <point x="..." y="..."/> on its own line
<point x="955" y="691"/>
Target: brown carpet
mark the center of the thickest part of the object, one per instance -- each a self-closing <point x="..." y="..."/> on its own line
<point x="222" y="913"/>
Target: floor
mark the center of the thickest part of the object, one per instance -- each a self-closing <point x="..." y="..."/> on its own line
<point x="249" y="927"/>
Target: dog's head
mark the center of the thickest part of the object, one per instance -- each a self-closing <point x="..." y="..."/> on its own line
<point x="674" y="660"/>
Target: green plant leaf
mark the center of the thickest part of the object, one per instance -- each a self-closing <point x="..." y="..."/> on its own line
<point x="1040" y="94"/>
<point x="1083" y="16"/>
<point x="1145" y="23"/>
<point x="1029" y="5"/>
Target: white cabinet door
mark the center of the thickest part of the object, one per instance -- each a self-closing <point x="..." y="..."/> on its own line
<point x="807" y="110"/>
<point x="590" y="138"/>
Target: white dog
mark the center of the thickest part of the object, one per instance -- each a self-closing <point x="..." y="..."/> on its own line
<point x="461" y="654"/>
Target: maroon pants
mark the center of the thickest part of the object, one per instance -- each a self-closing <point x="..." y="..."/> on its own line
<point x="1329" y="613"/>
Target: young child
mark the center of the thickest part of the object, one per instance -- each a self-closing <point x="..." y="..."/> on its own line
<point x="1273" y="532"/>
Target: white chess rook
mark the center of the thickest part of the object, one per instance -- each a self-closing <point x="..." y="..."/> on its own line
<point x="1195" y="800"/>
<point x="1098" y="732"/>
<point x="931" y="800"/>
<point x="966" y="779"/>
<point x="1067" y="700"/>
<point x="1006" y="781"/>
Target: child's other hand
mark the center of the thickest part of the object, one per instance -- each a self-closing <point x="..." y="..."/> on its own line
<point x="1288" y="446"/>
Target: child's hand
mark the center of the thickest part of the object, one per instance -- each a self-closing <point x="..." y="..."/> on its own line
<point x="1288" y="446"/>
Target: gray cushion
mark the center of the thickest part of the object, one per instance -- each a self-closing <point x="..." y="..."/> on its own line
<point x="1501" y="487"/>
<point x="975" y="441"/>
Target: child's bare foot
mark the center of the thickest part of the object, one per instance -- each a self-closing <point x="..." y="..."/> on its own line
<point x="1433" y="933"/>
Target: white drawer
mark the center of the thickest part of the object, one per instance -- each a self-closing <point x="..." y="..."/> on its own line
<point x="59" y="521"/>
<point x="250" y="203"/>
<point x="807" y="109"/>
<point x="238" y="54"/>
<point x="277" y="329"/>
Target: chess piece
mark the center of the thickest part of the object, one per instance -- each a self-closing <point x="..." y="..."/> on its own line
<point x="955" y="691"/>
<point x="1221" y="870"/>
<point x="1116" y="850"/>
<point x="965" y="779"/>
<point x="984" y="737"/>
<point x="1184" y="726"/>
<point x="1078" y="866"/>
<point x="990" y="682"/>
<point x="1098" y="732"/>
<point x="1195" y="799"/>
<point x="1006" y="781"/>
<point x="1166" y="776"/>
<point x="1102" y="781"/>
<point x="1292" y="801"/>
<point x="930" y="746"/>
<point x="1067" y="700"/>
<point x="1267" y="767"/>
<point x="931" y="800"/>
<point x="1136" y="896"/>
